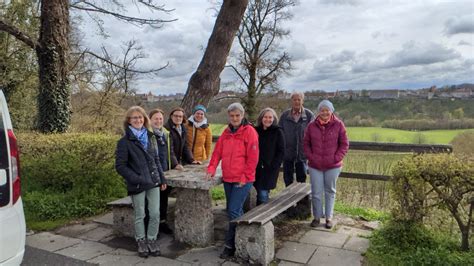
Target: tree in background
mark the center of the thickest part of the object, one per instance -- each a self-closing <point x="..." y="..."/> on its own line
<point x="52" y="48"/>
<point x="259" y="61"/>
<point x="18" y="64"/>
<point x="205" y="82"/>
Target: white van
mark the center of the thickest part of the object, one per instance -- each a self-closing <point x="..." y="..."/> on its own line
<point x="12" y="218"/>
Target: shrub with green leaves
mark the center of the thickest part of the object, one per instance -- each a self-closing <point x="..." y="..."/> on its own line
<point x="68" y="175"/>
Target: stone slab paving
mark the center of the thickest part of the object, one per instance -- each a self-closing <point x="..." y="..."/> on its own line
<point x="116" y="260"/>
<point x="327" y="239"/>
<point x="335" y="256"/>
<point x="97" y="234"/>
<point x="76" y="229"/>
<point x="202" y="256"/>
<point x="288" y="263"/>
<point x="295" y="252"/>
<point x="153" y="261"/>
<point x="85" y="250"/>
<point x="107" y="219"/>
<point x="358" y="244"/>
<point x="51" y="242"/>
<point x="353" y="231"/>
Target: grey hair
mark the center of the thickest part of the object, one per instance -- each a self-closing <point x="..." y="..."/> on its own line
<point x="262" y="113"/>
<point x="236" y="106"/>
<point x="297" y="93"/>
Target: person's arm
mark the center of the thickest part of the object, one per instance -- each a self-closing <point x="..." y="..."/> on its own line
<point x="174" y="160"/>
<point x="343" y="144"/>
<point x="280" y="150"/>
<point x="121" y="164"/>
<point x="208" y="144"/>
<point x="187" y="155"/>
<point x="215" y="158"/>
<point x="252" y="154"/>
<point x="307" y="147"/>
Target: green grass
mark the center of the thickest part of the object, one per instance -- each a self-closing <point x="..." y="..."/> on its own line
<point x="387" y="134"/>
<point x="367" y="214"/>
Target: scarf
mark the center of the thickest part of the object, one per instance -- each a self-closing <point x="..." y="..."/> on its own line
<point x="141" y="135"/>
<point x="197" y="124"/>
<point x="323" y="123"/>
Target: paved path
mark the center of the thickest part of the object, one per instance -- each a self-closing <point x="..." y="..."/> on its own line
<point x="95" y="243"/>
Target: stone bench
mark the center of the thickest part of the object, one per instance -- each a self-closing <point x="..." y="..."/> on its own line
<point x="255" y="232"/>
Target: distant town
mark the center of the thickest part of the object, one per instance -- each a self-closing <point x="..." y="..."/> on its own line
<point x="462" y="91"/>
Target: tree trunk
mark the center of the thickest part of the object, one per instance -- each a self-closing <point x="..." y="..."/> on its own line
<point x="52" y="51"/>
<point x="204" y="83"/>
<point x="465" y="239"/>
<point x="250" y="102"/>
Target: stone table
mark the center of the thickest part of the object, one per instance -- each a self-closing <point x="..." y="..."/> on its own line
<point x="194" y="221"/>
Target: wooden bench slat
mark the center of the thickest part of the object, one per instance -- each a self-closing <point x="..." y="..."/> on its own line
<point x="287" y="198"/>
<point x="262" y="208"/>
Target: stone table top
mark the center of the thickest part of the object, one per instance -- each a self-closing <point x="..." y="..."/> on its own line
<point x="193" y="176"/>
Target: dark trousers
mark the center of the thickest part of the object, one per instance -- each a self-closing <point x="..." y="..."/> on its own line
<point x="164" y="203"/>
<point x="235" y="196"/>
<point x="292" y="167"/>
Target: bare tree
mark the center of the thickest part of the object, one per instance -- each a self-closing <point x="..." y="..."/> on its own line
<point x="259" y="61"/>
<point x="53" y="49"/>
<point x="205" y="82"/>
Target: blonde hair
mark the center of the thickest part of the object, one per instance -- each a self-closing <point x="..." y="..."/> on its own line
<point x="263" y="112"/>
<point x="136" y="109"/>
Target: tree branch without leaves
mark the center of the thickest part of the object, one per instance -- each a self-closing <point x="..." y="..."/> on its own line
<point x="18" y="34"/>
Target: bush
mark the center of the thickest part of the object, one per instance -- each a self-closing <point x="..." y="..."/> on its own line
<point x="463" y="145"/>
<point x="429" y="124"/>
<point x="407" y="243"/>
<point x="68" y="175"/>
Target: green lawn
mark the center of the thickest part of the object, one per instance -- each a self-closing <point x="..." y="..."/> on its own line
<point x="387" y="134"/>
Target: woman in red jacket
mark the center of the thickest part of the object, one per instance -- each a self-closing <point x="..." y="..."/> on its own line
<point x="325" y="144"/>
<point x="237" y="147"/>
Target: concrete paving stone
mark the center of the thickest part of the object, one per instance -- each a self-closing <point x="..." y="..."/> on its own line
<point x="295" y="252"/>
<point x="322" y="226"/>
<point x="115" y="260"/>
<point x="152" y="261"/>
<point x="327" y="239"/>
<point x="358" y="244"/>
<point x="353" y="231"/>
<point x="288" y="263"/>
<point x="51" y="242"/>
<point x="230" y="263"/>
<point x="76" y="229"/>
<point x="202" y="256"/>
<point x="85" y="250"/>
<point x="335" y="256"/>
<point x="107" y="219"/>
<point x="123" y="252"/>
<point x="97" y="234"/>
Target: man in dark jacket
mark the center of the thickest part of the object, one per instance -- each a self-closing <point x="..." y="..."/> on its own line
<point x="293" y="122"/>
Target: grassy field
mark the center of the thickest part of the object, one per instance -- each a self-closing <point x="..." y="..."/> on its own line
<point x="379" y="134"/>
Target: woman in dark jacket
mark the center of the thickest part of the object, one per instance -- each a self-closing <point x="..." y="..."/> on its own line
<point x="175" y="125"/>
<point x="272" y="150"/>
<point x="137" y="160"/>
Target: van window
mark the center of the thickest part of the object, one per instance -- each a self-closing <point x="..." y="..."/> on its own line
<point x="5" y="187"/>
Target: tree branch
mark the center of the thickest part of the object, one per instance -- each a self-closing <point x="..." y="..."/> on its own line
<point x="18" y="34"/>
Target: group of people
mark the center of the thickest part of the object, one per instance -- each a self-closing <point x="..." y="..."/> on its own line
<point x="249" y="156"/>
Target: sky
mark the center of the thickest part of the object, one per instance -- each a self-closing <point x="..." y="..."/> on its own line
<point x="334" y="44"/>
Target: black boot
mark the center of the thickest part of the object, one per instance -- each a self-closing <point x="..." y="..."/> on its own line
<point x="164" y="228"/>
<point x="227" y="253"/>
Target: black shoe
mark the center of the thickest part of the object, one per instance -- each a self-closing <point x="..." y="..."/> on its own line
<point x="164" y="228"/>
<point x="154" y="248"/>
<point x="227" y="253"/>
<point x="142" y="248"/>
<point x="329" y="224"/>
<point x="314" y="223"/>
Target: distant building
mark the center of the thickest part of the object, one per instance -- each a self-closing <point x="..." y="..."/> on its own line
<point x="384" y="94"/>
<point x="462" y="93"/>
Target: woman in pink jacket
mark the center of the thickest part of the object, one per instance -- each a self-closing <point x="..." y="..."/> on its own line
<point x="325" y="145"/>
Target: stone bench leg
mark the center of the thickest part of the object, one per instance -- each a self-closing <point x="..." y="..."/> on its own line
<point x="255" y="243"/>
<point x="194" y="221"/>
<point x="124" y="220"/>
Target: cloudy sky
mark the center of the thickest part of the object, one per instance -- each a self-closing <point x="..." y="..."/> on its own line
<point x="334" y="44"/>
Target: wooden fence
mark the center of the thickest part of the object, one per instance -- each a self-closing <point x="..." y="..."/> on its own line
<point x="388" y="147"/>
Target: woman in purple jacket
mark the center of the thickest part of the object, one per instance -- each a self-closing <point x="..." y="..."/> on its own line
<point x="325" y="144"/>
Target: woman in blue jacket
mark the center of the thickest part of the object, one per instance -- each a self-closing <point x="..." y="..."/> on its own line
<point x="137" y="160"/>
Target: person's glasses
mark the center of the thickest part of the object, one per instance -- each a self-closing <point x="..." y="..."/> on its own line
<point x="136" y="117"/>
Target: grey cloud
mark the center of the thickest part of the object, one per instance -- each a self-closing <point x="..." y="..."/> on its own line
<point x="340" y="2"/>
<point x="464" y="24"/>
<point x="413" y="54"/>
<point x="463" y="42"/>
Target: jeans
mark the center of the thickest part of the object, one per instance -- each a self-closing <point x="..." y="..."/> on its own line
<point x="323" y="181"/>
<point x="235" y="196"/>
<point x="262" y="196"/>
<point x="290" y="167"/>
<point x="138" y="201"/>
